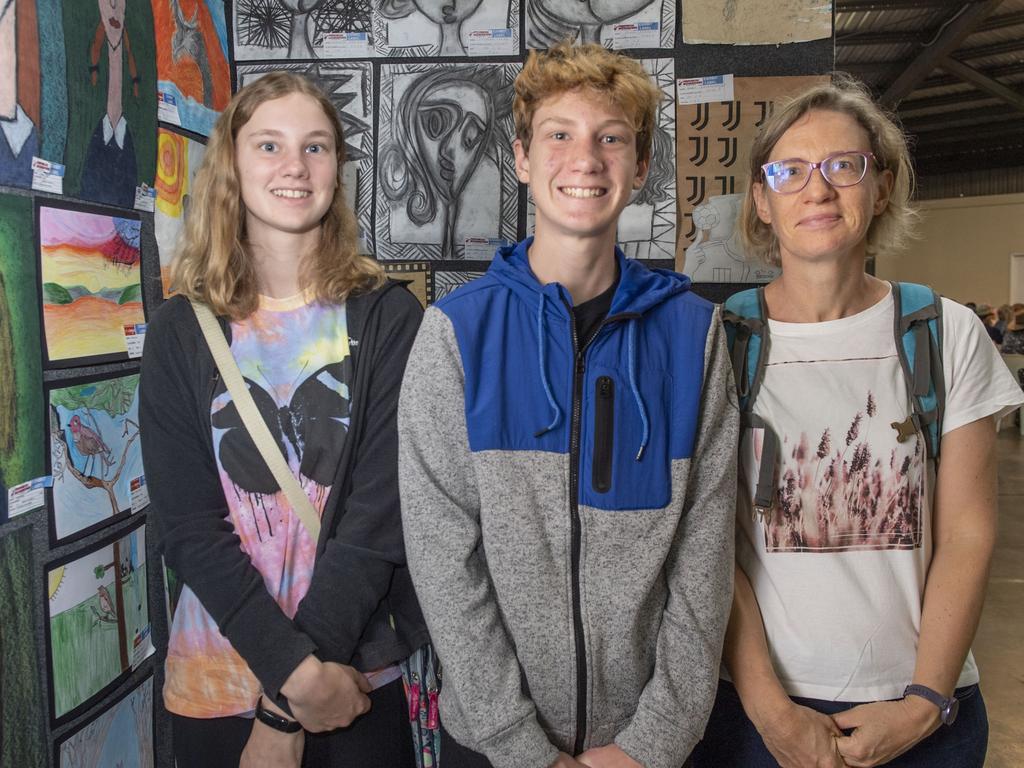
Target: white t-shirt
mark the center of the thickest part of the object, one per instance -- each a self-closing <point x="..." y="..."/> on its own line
<point x="839" y="570"/>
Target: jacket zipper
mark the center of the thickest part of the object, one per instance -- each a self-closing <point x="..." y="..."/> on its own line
<point x="579" y="368"/>
<point x="604" y="433"/>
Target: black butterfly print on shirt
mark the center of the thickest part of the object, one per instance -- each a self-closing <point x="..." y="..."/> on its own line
<point x="311" y="427"/>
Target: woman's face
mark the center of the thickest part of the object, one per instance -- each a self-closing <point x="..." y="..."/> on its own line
<point x="451" y="129"/>
<point x="447" y="11"/>
<point x="821" y="222"/>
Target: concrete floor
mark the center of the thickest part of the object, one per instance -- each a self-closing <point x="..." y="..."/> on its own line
<point x="999" y="645"/>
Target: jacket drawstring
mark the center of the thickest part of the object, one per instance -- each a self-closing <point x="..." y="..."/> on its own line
<point x="636" y="390"/>
<point x="543" y="370"/>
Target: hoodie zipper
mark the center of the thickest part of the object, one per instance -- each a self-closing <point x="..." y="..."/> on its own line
<point x="576" y="527"/>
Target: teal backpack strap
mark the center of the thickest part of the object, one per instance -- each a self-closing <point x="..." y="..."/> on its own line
<point x="917" y="326"/>
<point x="746" y="330"/>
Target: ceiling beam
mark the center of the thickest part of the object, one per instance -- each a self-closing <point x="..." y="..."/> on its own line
<point x="962" y="119"/>
<point x="983" y="82"/>
<point x="996" y="73"/>
<point x="1001" y="21"/>
<point x="959" y="26"/>
<point x="858" y="6"/>
<point x="993" y="133"/>
<point x="876" y="38"/>
<point x="991" y="49"/>
<point x="945" y="100"/>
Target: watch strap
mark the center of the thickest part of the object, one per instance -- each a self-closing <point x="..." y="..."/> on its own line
<point x="946" y="706"/>
<point x="275" y="721"/>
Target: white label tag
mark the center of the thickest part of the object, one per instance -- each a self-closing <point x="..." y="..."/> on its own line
<point x="167" y="108"/>
<point x="145" y="198"/>
<point x="140" y="493"/>
<point x="135" y="339"/>
<point x="702" y="90"/>
<point x="28" y="496"/>
<point x="492" y="42"/>
<point x="482" y="248"/>
<point x="644" y="34"/>
<point x="345" y="45"/>
<point x="142" y="647"/>
<point x="47" y="176"/>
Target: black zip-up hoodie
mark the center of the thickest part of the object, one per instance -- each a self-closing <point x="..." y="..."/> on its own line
<point x="360" y="579"/>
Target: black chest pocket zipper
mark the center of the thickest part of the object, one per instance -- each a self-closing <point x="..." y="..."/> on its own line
<point x="604" y="433"/>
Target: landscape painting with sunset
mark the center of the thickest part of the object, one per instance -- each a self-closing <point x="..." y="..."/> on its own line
<point x="91" y="283"/>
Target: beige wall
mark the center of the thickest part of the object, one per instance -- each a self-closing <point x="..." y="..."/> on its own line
<point x="965" y="249"/>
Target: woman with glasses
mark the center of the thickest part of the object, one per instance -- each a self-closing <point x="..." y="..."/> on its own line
<point x="859" y="584"/>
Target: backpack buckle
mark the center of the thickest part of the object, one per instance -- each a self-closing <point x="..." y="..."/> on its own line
<point x="905" y="429"/>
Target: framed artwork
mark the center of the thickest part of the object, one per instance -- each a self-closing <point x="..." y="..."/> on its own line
<point x="97" y="620"/>
<point x="21" y="104"/>
<point x="111" y="81"/>
<point x="619" y="25"/>
<point x="447" y="281"/>
<point x="192" y="62"/>
<point x="417" y="275"/>
<point x="439" y="28"/>
<point x="295" y="29"/>
<point x="178" y="160"/>
<point x="22" y="430"/>
<point x="120" y="736"/>
<point x="21" y="702"/>
<point x="90" y="269"/>
<point x="95" y="453"/>
<point x="445" y="169"/>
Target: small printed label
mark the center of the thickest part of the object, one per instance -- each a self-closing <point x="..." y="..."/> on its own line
<point x="145" y="198"/>
<point x="702" y="90"/>
<point x="142" y="646"/>
<point x="345" y="45"/>
<point x="135" y="338"/>
<point x="28" y="496"/>
<point x="47" y="176"/>
<point x="644" y="34"/>
<point x="167" y="108"/>
<point x="140" y="493"/>
<point x="482" y="248"/>
<point x="492" y="42"/>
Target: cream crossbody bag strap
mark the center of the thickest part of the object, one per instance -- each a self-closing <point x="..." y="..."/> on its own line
<point x="253" y="421"/>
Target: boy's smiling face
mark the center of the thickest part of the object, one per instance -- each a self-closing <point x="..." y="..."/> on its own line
<point x="581" y="167"/>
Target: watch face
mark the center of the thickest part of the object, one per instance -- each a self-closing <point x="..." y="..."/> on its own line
<point x="949" y="712"/>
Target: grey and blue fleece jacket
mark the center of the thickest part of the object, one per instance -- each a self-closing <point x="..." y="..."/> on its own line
<point x="568" y="508"/>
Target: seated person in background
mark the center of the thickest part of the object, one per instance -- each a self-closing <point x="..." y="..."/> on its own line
<point x="567" y="432"/>
<point x="1013" y="337"/>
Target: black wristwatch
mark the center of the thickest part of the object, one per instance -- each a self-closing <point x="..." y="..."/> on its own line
<point x="947" y="707"/>
<point x="275" y="721"/>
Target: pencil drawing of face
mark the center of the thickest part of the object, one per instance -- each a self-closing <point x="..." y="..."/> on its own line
<point x="445" y="123"/>
<point x="550" y="20"/>
<point x="447" y="14"/>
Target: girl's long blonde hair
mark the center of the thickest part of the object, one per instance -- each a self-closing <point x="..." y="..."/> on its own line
<point x="211" y="264"/>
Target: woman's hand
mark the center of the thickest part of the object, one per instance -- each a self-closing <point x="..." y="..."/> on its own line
<point x="884" y="729"/>
<point x="324" y="695"/>
<point x="269" y="748"/>
<point x="799" y="737"/>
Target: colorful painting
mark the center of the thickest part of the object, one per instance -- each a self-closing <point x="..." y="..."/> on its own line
<point x="22" y="432"/>
<point x="21" y="710"/>
<point x="20" y="115"/>
<point x="119" y="737"/>
<point x="91" y="283"/>
<point x="98" y="620"/>
<point x="95" y="454"/>
<point x="192" y="60"/>
<point x="111" y="80"/>
<point x="178" y="160"/>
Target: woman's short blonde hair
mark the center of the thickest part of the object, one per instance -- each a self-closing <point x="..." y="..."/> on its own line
<point x="888" y="232"/>
<point x="588" y="68"/>
<point x="211" y="264"/>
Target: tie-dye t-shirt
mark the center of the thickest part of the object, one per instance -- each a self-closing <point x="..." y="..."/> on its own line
<point x="294" y="356"/>
<point x="839" y="564"/>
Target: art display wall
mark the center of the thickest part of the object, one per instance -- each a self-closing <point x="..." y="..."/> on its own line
<point x="105" y="110"/>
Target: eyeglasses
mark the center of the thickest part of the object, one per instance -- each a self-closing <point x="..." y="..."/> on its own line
<point x="840" y="169"/>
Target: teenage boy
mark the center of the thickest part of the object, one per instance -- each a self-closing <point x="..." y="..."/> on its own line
<point x="567" y="445"/>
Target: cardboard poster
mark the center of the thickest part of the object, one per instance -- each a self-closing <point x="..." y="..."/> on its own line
<point x="756" y="22"/>
<point x="713" y="144"/>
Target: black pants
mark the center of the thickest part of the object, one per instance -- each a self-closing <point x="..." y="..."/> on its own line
<point x="379" y="739"/>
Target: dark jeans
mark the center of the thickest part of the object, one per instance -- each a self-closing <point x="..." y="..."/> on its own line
<point x="382" y="737"/>
<point x="731" y="739"/>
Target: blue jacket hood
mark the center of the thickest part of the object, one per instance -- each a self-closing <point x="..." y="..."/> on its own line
<point x="640" y="288"/>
